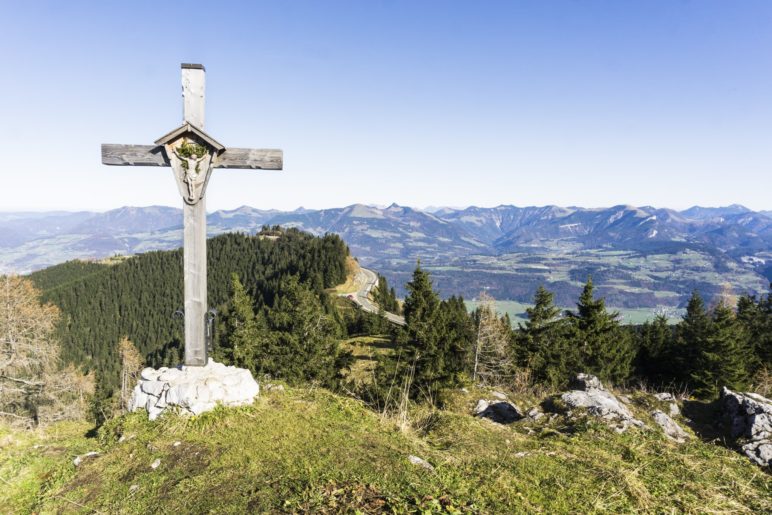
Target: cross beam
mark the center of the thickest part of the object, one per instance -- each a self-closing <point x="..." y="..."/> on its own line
<point x="192" y="154"/>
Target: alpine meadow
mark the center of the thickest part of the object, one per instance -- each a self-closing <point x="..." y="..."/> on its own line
<point x="533" y="273"/>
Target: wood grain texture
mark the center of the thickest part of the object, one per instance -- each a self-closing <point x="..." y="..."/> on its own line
<point x="133" y="155"/>
<point x="155" y="155"/>
<point x="253" y="158"/>
<point x="194" y="267"/>
<point x="193" y="88"/>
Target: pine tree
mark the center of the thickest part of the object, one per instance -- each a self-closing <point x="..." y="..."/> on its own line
<point x="544" y="344"/>
<point x="724" y="357"/>
<point x="240" y="329"/>
<point x="605" y="348"/>
<point x="655" y="348"/>
<point x="301" y="344"/>
<point x="385" y="297"/>
<point x="691" y="336"/>
<point x="756" y="319"/>
<point x="436" y="338"/>
<point x="457" y="338"/>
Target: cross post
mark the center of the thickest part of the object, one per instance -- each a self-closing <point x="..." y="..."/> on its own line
<point x="192" y="154"/>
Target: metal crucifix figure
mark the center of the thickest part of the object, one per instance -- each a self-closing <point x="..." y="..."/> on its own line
<point x="192" y="154"/>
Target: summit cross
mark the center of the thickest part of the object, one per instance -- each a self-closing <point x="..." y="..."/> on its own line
<point x="192" y="154"/>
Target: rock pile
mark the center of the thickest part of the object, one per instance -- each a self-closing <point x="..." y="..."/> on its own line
<point x="192" y="390"/>
<point x="590" y="395"/>
<point x="750" y="417"/>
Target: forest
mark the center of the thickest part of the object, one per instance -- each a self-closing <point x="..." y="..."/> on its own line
<point x="277" y="317"/>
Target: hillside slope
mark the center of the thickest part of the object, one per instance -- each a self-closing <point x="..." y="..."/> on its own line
<point x="311" y="451"/>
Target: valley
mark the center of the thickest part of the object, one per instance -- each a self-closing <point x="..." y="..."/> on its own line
<point x="641" y="258"/>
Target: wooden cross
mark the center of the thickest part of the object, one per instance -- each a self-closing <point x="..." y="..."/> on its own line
<point x="192" y="154"/>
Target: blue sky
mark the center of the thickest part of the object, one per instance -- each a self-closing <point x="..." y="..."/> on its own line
<point x="589" y="103"/>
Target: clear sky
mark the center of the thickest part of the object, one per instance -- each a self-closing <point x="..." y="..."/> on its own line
<point x="590" y="103"/>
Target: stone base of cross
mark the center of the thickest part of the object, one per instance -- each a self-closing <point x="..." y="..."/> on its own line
<point x="192" y="155"/>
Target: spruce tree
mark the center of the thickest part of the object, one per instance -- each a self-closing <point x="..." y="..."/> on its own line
<point x="433" y="338"/>
<point x="241" y="329"/>
<point x="723" y="358"/>
<point x="691" y="337"/>
<point x="654" y="360"/>
<point x="544" y="343"/>
<point x="301" y="344"/>
<point x="605" y="348"/>
<point x="756" y="320"/>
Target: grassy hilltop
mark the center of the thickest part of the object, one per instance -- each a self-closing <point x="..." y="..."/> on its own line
<point x="309" y="450"/>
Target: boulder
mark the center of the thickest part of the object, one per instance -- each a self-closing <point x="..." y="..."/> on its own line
<point x="501" y="412"/>
<point x="669" y="426"/>
<point x="591" y="396"/>
<point x="749" y="416"/>
<point x="585" y="382"/>
<point x="192" y="390"/>
<point x="664" y="396"/>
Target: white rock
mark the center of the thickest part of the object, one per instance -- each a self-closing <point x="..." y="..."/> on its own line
<point x="138" y="398"/>
<point x="674" y="409"/>
<point x="170" y="375"/>
<point x="665" y="396"/>
<point x="500" y="396"/>
<point x="599" y="402"/>
<point x="669" y="427"/>
<point x="193" y="390"/>
<point x="153" y="387"/>
<point x="149" y="374"/>
<point x="180" y="394"/>
<point x="156" y="464"/>
<point x="216" y="392"/>
<point x="153" y="412"/>
<point x="415" y="460"/>
<point x="231" y="380"/>
<point x="79" y="459"/>
<point x="203" y="394"/>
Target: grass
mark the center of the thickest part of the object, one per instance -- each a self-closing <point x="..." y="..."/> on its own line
<point x="350" y="285"/>
<point x="516" y="312"/>
<point x="366" y="350"/>
<point x="311" y="451"/>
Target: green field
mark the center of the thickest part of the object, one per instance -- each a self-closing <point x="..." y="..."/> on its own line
<point x="516" y="312"/>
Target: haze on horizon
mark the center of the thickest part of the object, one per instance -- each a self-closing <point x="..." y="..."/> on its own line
<point x="589" y="104"/>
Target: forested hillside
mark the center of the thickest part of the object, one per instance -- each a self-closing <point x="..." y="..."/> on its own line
<point x="137" y="298"/>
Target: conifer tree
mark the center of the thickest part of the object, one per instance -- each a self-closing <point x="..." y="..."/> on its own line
<point x="437" y="337"/>
<point x="655" y="351"/>
<point x="301" y="344"/>
<point x="756" y="319"/>
<point x="457" y="338"/>
<point x="605" y="348"/>
<point x="241" y="329"/>
<point x="692" y="333"/>
<point x="723" y="357"/>
<point x="546" y="350"/>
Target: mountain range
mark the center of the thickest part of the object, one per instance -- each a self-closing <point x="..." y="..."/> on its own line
<point x="638" y="256"/>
